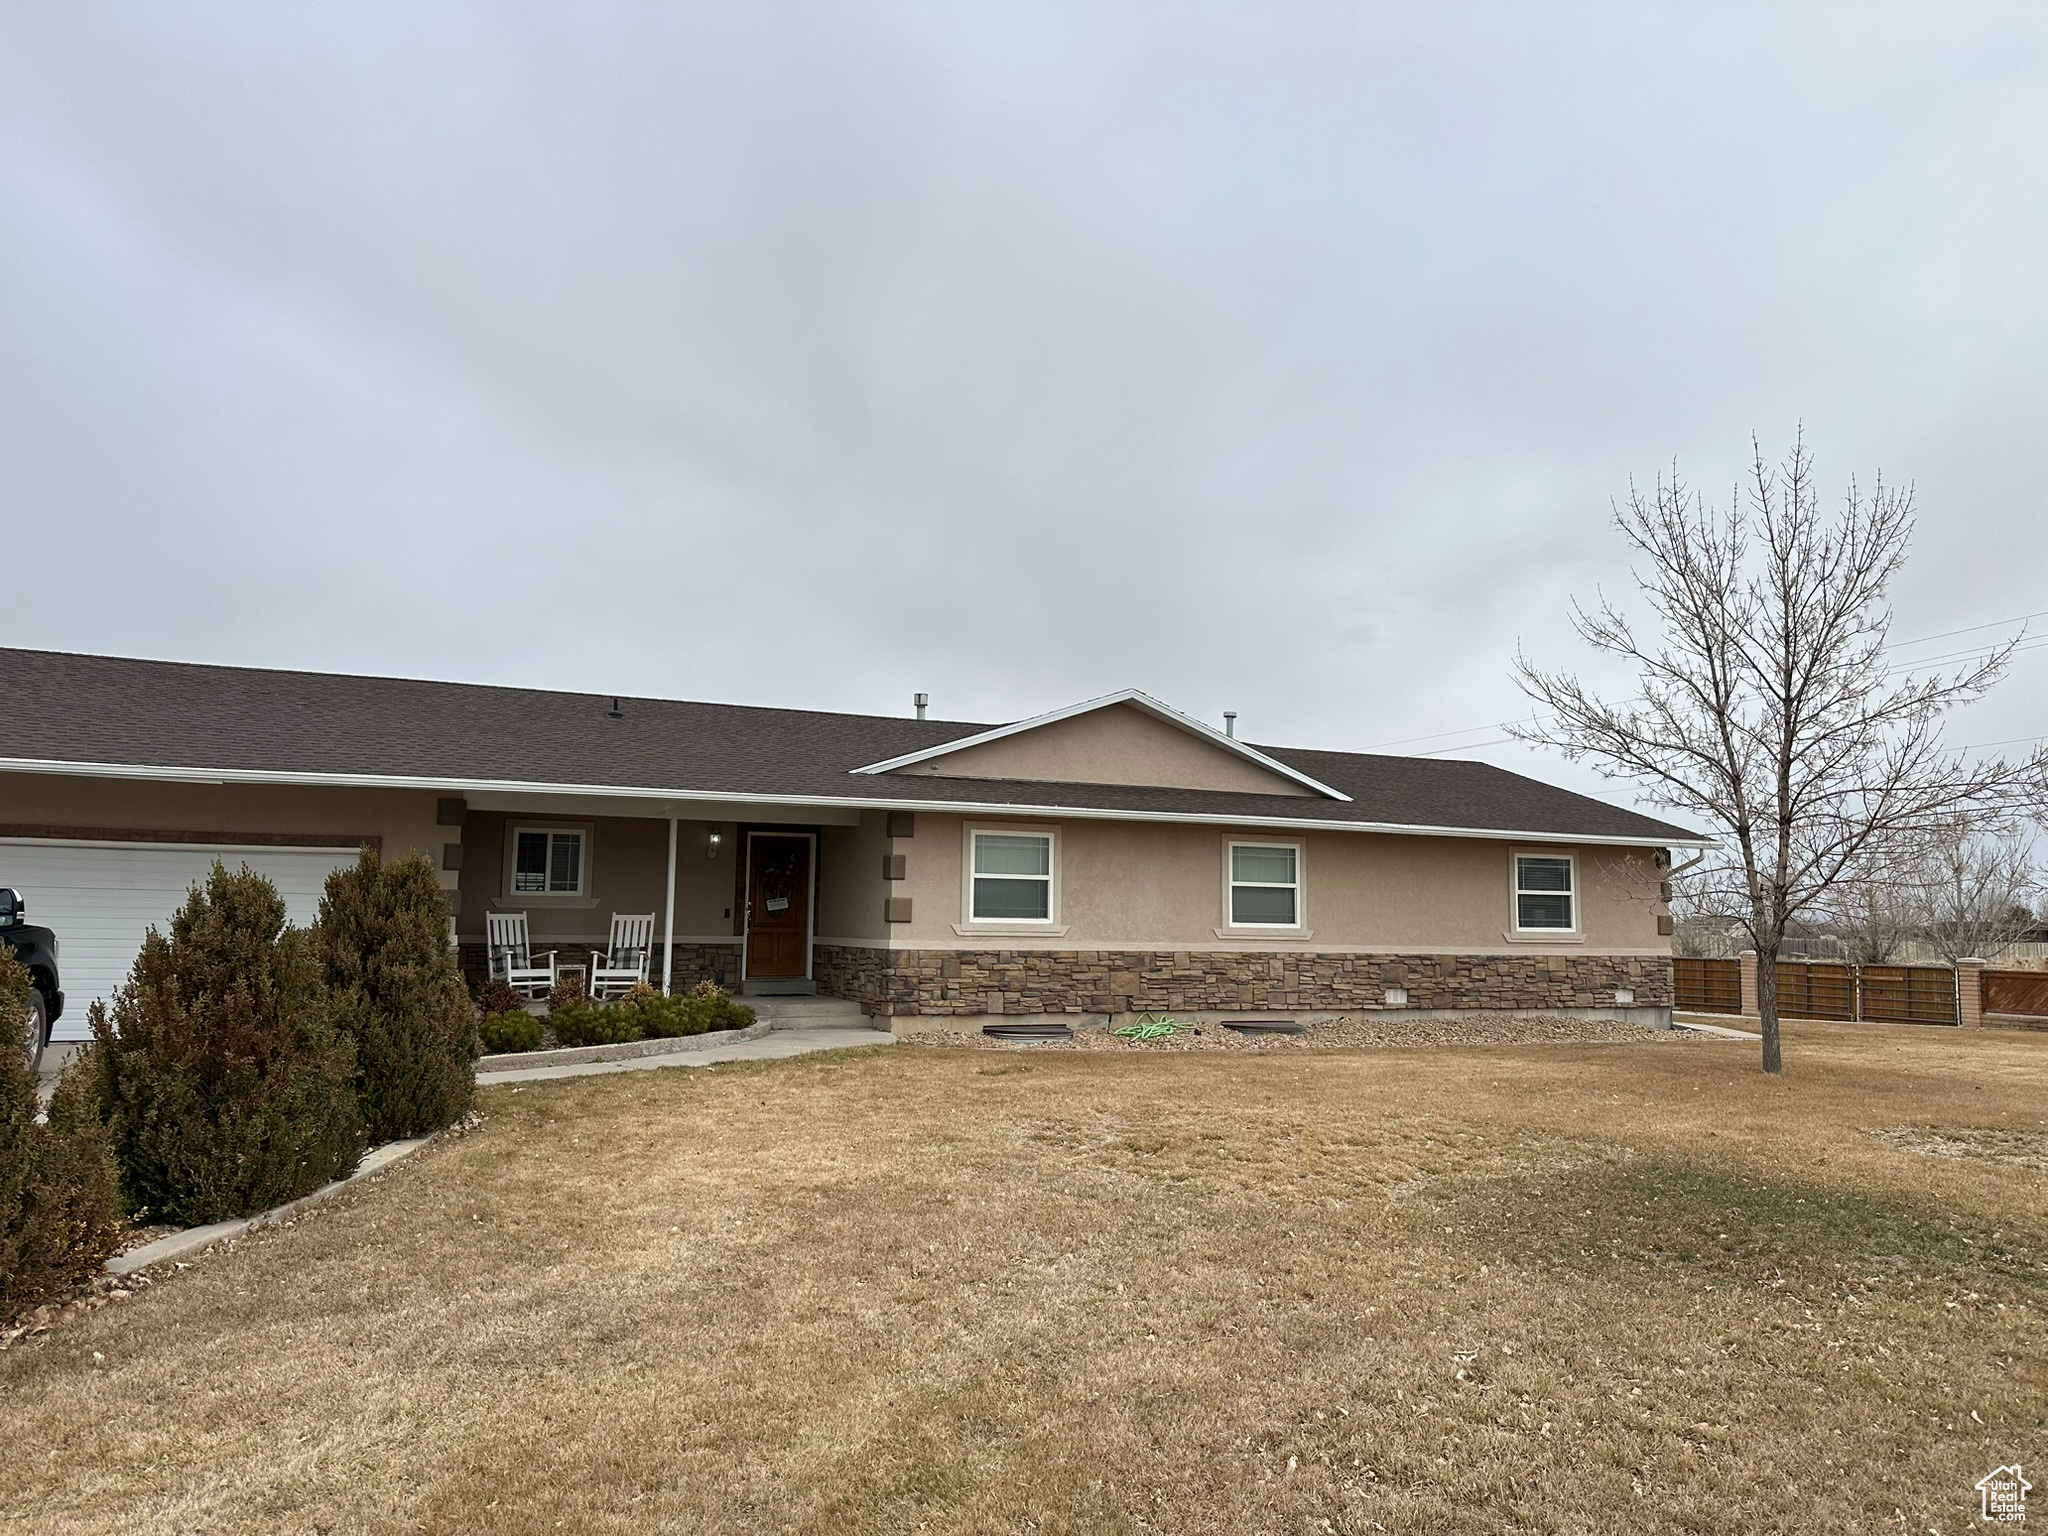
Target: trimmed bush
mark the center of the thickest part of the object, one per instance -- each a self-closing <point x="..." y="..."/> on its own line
<point x="225" y="1087"/>
<point x="398" y="994"/>
<point x="645" y="1014"/>
<point x="583" y="1023"/>
<point x="60" y="1200"/>
<point x="516" y="1030"/>
<point x="495" y="996"/>
<point x="568" y="990"/>
<point x="717" y="1008"/>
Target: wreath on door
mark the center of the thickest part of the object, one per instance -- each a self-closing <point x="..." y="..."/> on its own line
<point x="778" y="871"/>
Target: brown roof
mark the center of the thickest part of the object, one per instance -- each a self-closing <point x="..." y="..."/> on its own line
<point x="56" y="707"/>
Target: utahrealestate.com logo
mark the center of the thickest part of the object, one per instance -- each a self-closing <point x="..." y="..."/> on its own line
<point x="2005" y="1495"/>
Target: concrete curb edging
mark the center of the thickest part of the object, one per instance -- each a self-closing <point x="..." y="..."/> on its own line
<point x="625" y="1050"/>
<point x="193" y="1240"/>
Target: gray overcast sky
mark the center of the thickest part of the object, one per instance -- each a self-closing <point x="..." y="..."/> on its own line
<point x="1269" y="357"/>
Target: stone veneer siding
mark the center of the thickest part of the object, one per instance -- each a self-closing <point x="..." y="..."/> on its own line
<point x="892" y="983"/>
<point x="694" y="963"/>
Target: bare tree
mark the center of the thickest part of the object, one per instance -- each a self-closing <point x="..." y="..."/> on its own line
<point x="1872" y="916"/>
<point x="1763" y="704"/>
<point x="1971" y="888"/>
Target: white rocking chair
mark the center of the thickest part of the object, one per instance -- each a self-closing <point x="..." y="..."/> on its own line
<point x="618" y="970"/>
<point x="512" y="959"/>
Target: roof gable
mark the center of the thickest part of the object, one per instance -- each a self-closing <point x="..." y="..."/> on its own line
<point x="1124" y="738"/>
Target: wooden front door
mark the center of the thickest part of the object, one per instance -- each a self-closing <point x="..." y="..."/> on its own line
<point x="778" y="906"/>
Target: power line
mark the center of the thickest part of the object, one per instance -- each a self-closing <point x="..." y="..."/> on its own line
<point x="1965" y="656"/>
<point x="1972" y="629"/>
<point x="1492" y="725"/>
<point x="1980" y="654"/>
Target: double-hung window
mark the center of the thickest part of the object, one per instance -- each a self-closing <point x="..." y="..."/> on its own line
<point x="1543" y="893"/>
<point x="1012" y="877"/>
<point x="1265" y="885"/>
<point x="547" y="862"/>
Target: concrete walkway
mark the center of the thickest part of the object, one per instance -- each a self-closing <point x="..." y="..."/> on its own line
<point x="1718" y="1031"/>
<point x="770" y="1047"/>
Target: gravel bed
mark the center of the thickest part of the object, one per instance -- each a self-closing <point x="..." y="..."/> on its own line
<point x="1346" y="1033"/>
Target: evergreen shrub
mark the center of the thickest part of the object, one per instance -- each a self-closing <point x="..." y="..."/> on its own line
<point x="60" y="1199"/>
<point x="588" y="1023"/>
<point x="398" y="994"/>
<point x="224" y="1085"/>
<point x="516" y="1030"/>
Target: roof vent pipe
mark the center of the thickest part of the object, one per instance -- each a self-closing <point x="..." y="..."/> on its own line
<point x="1230" y="723"/>
<point x="615" y="712"/>
<point x="921" y="699"/>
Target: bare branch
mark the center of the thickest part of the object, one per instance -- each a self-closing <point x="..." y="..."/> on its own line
<point x="1764" y="707"/>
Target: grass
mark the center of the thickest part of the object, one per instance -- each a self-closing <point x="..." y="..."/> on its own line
<point x="1560" y="1289"/>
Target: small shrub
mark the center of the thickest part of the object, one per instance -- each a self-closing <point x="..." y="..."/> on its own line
<point x="718" y="1008"/>
<point x="60" y="1202"/>
<point x="496" y="996"/>
<point x="224" y="1085"/>
<point x="646" y="1014"/>
<point x="398" y="994"/>
<point x="515" y="1030"/>
<point x="587" y="1023"/>
<point x="658" y="1017"/>
<point x="566" y="991"/>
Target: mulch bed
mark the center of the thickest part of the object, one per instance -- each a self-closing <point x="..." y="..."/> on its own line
<point x="1346" y="1033"/>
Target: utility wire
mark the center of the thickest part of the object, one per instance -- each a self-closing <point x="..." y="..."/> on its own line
<point x="1978" y="654"/>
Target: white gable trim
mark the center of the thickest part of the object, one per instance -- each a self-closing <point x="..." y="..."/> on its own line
<point x="1137" y="700"/>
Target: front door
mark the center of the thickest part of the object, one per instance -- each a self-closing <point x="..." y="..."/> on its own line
<point x="778" y="906"/>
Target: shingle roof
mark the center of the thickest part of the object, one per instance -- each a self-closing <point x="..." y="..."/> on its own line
<point x="57" y="707"/>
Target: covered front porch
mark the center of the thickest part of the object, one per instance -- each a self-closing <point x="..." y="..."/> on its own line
<point x="738" y="894"/>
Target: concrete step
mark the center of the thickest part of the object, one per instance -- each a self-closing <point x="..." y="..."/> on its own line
<point x="808" y="1012"/>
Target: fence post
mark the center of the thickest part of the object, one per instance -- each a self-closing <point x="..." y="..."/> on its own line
<point x="1751" y="1007"/>
<point x="1970" y="992"/>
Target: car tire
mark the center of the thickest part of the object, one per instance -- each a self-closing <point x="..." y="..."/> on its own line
<point x="38" y="1028"/>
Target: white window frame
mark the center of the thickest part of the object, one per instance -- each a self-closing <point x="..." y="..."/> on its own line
<point x="1230" y="847"/>
<point x="511" y="896"/>
<point x="1515" y="892"/>
<point x="1050" y="923"/>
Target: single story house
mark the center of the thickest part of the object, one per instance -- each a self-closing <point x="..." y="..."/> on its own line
<point x="1112" y="857"/>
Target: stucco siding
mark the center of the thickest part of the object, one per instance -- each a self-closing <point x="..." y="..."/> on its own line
<point x="851" y="889"/>
<point x="626" y="871"/>
<point x="402" y="820"/>
<point x="1117" y="745"/>
<point x="1143" y="885"/>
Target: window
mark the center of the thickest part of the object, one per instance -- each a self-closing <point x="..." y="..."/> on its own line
<point x="547" y="863"/>
<point x="1012" y="877"/>
<point x="1265" y="885"/>
<point x="1543" y="893"/>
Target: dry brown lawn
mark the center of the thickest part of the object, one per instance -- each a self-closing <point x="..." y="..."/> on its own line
<point x="1557" y="1289"/>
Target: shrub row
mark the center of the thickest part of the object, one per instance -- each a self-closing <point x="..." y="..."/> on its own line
<point x="244" y="1063"/>
<point x="645" y="1014"/>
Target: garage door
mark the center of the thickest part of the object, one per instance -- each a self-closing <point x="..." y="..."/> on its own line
<point x="100" y="898"/>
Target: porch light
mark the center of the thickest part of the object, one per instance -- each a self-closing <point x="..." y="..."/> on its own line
<point x="711" y="841"/>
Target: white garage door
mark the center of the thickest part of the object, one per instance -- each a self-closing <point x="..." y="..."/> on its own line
<point x="100" y="898"/>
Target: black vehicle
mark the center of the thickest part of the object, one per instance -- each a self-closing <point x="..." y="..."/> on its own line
<point x="35" y="948"/>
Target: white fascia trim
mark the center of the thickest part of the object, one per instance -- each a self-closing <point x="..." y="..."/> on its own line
<point x="837" y="802"/>
<point x="1138" y="699"/>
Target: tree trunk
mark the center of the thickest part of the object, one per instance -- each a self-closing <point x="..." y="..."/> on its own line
<point x="1767" y="1005"/>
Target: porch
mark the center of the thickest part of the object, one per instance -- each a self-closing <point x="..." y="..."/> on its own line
<point x="739" y="900"/>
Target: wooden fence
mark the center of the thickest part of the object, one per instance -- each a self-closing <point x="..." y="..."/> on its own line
<point x="2023" y="993"/>
<point x="1811" y="990"/>
<point x="1707" y="986"/>
<point x="1909" y="994"/>
<point x="1891" y="994"/>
